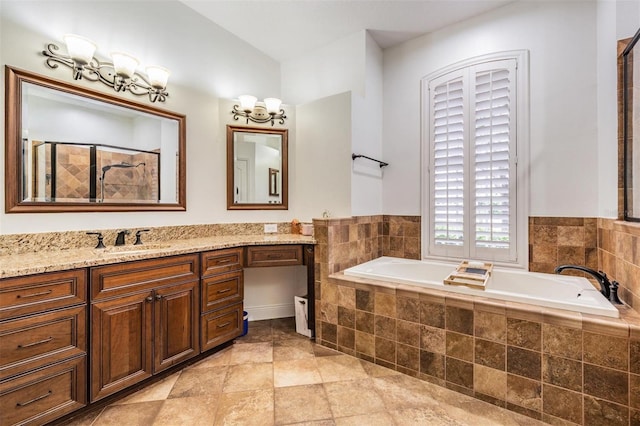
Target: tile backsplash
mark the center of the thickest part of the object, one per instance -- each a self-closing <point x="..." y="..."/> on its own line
<point x="555" y="241"/>
<point x="619" y="257"/>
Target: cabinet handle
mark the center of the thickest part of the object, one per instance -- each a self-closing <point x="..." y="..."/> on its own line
<point x="158" y="297"/>
<point x="224" y="261"/>
<point x="42" y="293"/>
<point x="149" y="299"/>
<point x="225" y="290"/>
<point x="224" y="325"/>
<point x="28" y="345"/>
<point x="38" y="398"/>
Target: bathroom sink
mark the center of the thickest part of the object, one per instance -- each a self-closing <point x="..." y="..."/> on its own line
<point x="142" y="248"/>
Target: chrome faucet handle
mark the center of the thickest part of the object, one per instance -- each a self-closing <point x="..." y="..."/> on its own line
<point x="139" y="235"/>
<point x="100" y="244"/>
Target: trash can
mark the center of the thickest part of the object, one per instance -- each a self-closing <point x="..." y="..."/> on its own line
<point x="245" y="323"/>
<point x="302" y="315"/>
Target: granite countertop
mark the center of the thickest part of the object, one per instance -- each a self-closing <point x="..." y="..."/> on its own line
<point x="47" y="261"/>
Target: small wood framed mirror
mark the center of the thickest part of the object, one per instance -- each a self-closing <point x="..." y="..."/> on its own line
<point x="257" y="168"/>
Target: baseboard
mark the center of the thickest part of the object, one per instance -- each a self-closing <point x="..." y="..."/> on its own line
<point x="257" y="313"/>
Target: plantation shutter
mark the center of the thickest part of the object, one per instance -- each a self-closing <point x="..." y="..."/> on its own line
<point x="448" y="167"/>
<point x="472" y="162"/>
<point x="493" y="171"/>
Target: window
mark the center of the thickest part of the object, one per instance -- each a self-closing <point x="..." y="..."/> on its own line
<point x="473" y="140"/>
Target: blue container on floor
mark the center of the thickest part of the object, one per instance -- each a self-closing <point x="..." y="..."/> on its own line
<point x="245" y="323"/>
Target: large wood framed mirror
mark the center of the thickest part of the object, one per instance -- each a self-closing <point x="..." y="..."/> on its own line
<point x="631" y="128"/>
<point x="257" y="168"/>
<point x="72" y="149"/>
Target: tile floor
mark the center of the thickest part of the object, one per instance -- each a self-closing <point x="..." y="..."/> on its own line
<point x="273" y="376"/>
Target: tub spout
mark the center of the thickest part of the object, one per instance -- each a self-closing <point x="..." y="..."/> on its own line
<point x="600" y="276"/>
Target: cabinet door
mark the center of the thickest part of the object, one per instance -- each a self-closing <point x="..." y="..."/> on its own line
<point x="120" y="343"/>
<point x="176" y="324"/>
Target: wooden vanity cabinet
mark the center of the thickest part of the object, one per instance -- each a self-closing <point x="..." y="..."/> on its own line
<point x="144" y="319"/>
<point x="222" y="294"/>
<point x="43" y="346"/>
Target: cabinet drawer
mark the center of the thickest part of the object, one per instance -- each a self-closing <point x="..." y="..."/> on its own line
<point x="221" y="261"/>
<point x="222" y="290"/>
<point x="34" y="342"/>
<point x="115" y="280"/>
<point x="44" y="395"/>
<point x="42" y="292"/>
<point x="280" y="255"/>
<point x="221" y="326"/>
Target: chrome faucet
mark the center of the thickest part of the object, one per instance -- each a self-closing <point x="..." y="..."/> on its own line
<point x="120" y="237"/>
<point x="601" y="277"/>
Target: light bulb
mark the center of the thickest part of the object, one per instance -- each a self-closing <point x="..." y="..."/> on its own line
<point x="158" y="77"/>
<point x="272" y="105"/>
<point x="80" y="49"/>
<point x="124" y="64"/>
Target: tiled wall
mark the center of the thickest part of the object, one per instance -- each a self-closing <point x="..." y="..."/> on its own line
<point x="549" y="365"/>
<point x="401" y="236"/>
<point x="619" y="254"/>
<point x="557" y="241"/>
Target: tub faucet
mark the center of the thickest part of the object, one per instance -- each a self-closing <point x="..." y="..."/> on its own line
<point x="120" y="237"/>
<point x="600" y="276"/>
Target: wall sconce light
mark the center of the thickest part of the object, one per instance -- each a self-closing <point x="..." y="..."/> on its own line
<point x="249" y="108"/>
<point x="120" y="74"/>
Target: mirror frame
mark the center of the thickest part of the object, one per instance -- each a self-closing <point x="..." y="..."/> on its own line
<point x="284" y="172"/>
<point x="627" y="132"/>
<point x="13" y="148"/>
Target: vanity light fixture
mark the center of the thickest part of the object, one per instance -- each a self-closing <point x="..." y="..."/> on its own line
<point x="120" y="74"/>
<point x="263" y="112"/>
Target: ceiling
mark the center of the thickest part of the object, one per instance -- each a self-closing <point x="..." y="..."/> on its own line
<point x="287" y="29"/>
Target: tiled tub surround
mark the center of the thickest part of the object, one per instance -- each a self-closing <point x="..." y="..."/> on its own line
<point x="619" y="255"/>
<point x="557" y="241"/>
<point x="553" y="365"/>
<point x="557" y="366"/>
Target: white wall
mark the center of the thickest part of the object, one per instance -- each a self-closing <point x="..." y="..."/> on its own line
<point x="324" y="148"/>
<point x="336" y="68"/>
<point x="366" y="139"/>
<point x="226" y="65"/>
<point x="561" y="38"/>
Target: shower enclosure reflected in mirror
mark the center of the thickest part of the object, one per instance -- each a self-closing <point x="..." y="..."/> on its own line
<point x="257" y="169"/>
<point x="74" y="149"/>
<point x="631" y="128"/>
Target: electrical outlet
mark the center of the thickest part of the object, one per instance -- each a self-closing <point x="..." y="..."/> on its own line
<point x="270" y="228"/>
